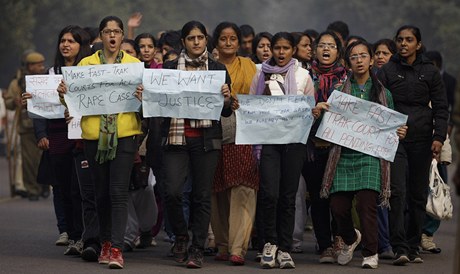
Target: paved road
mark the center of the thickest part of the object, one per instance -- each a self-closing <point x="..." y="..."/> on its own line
<point x="28" y="231"/>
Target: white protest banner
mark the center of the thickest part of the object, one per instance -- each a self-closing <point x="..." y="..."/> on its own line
<point x="183" y="94"/>
<point x="361" y="125"/>
<point x="102" y="89"/>
<point x="263" y="119"/>
<point x="45" y="99"/>
<point x="74" y="128"/>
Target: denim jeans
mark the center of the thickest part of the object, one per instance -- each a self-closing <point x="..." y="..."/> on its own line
<point x="176" y="161"/>
<point x="111" y="180"/>
<point x="280" y="168"/>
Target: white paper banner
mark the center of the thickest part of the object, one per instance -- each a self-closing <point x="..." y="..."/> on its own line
<point x="361" y="125"/>
<point x="183" y="94"/>
<point x="102" y="89"/>
<point x="265" y="119"/>
<point x="74" y="128"/>
<point x="45" y="99"/>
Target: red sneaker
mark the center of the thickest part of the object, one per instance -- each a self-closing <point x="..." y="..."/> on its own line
<point x="116" y="258"/>
<point x="221" y="257"/>
<point x="104" y="257"/>
<point x="236" y="260"/>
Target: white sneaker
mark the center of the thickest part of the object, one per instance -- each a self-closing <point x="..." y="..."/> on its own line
<point x="346" y="254"/>
<point x="284" y="260"/>
<point x="371" y="262"/>
<point x="268" y="256"/>
<point x="74" y="248"/>
<point x="63" y="239"/>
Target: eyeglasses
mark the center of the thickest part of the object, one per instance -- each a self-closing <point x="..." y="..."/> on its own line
<point x="116" y="32"/>
<point x="355" y="57"/>
<point x="327" y="45"/>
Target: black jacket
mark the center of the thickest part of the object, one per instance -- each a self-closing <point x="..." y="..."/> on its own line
<point x="451" y="84"/>
<point x="213" y="135"/>
<point x="413" y="87"/>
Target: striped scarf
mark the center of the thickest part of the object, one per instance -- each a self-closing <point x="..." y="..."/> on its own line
<point x="326" y="78"/>
<point x="334" y="157"/>
<point x="108" y="135"/>
<point x="176" y="135"/>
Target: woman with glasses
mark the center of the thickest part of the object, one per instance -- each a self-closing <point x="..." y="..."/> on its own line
<point x="357" y="175"/>
<point x="418" y="91"/>
<point x="110" y="146"/>
<point x="328" y="74"/>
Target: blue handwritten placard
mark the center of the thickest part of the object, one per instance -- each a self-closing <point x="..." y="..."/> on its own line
<point x="183" y="94"/>
<point x="45" y="99"/>
<point x="102" y="89"/>
<point x="361" y="125"/>
<point x="263" y="119"/>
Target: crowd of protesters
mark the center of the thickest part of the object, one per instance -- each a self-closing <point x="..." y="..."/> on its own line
<point x="130" y="177"/>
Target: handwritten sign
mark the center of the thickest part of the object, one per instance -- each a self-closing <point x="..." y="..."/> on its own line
<point x="183" y="94"/>
<point x="265" y="119"/>
<point x="74" y="128"/>
<point x="361" y="125"/>
<point x="102" y="89"/>
<point x="45" y="99"/>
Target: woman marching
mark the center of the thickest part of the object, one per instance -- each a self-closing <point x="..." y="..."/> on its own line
<point x="280" y="165"/>
<point x="110" y="146"/>
<point x="351" y="174"/>
<point x="236" y="180"/>
<point x="328" y="74"/>
<point x="72" y="46"/>
<point x="414" y="82"/>
<point x="195" y="144"/>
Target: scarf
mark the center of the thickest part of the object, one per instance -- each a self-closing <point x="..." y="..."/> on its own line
<point x="290" y="85"/>
<point x="241" y="72"/>
<point x="108" y="135"/>
<point x="334" y="157"/>
<point x="176" y="135"/>
<point x="327" y="77"/>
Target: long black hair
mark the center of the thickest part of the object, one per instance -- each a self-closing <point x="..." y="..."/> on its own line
<point x="81" y="37"/>
<point x="337" y="41"/>
<point x="255" y="44"/>
<point x="377" y="87"/>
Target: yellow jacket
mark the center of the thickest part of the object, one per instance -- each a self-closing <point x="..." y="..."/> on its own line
<point x="128" y="124"/>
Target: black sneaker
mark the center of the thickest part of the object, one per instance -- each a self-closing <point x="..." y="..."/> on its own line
<point x="414" y="257"/>
<point x="90" y="254"/>
<point x="179" y="249"/>
<point x="195" y="257"/>
<point x="400" y="259"/>
<point x="145" y="240"/>
<point x="127" y="247"/>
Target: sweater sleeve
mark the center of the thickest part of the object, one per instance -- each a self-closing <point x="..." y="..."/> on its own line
<point x="40" y="128"/>
<point x="227" y="111"/>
